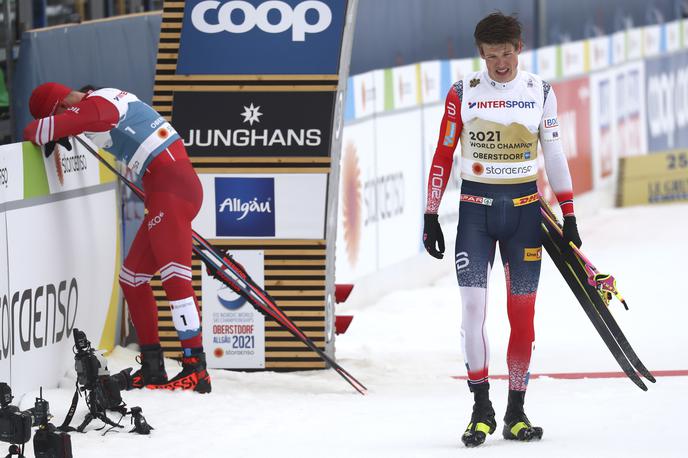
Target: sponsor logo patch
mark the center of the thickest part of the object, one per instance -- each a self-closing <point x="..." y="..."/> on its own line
<point x="155" y="220"/>
<point x="525" y="200"/>
<point x="532" y="254"/>
<point x="163" y="133"/>
<point x="450" y="134"/>
<point x="462" y="260"/>
<point x="476" y="199"/>
<point x="502" y="104"/>
<point x="551" y="123"/>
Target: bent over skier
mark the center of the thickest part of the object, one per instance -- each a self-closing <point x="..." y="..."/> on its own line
<point x="498" y="116"/>
<point x="141" y="138"/>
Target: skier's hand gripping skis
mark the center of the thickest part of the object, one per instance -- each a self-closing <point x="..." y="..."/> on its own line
<point x="593" y="291"/>
<point x="604" y="283"/>
<point x="225" y="269"/>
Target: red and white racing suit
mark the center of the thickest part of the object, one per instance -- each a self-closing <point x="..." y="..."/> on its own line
<point x="140" y="137"/>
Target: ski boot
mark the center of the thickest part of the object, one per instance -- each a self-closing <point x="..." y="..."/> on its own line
<point x="516" y="424"/>
<point x="483" y="418"/>
<point x="152" y="370"/>
<point x="193" y="377"/>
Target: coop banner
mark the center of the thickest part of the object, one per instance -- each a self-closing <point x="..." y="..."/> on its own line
<point x="261" y="37"/>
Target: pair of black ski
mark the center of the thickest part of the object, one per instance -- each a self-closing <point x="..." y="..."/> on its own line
<point x="223" y="267"/>
<point x="593" y="299"/>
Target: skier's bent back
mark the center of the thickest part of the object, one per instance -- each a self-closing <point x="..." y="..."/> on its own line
<point x="141" y="138"/>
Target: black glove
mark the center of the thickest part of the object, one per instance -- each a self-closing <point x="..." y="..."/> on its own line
<point x="49" y="147"/>
<point x="571" y="231"/>
<point x="432" y="236"/>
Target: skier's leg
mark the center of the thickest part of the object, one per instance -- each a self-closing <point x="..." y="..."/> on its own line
<point x="174" y="196"/>
<point x="134" y="278"/>
<point x="521" y="256"/>
<point x="474" y="256"/>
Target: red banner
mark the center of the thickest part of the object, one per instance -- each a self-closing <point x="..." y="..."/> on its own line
<point x="573" y="101"/>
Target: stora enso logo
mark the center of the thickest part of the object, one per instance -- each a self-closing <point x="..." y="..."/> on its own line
<point x="245" y="207"/>
<point x="272" y="16"/>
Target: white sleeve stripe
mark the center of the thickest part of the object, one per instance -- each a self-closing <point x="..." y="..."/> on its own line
<point x="175" y="264"/>
<point x="44" y="130"/>
<point x="169" y="273"/>
<point x="170" y="277"/>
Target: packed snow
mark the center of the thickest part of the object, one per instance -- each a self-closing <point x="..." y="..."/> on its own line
<point x="406" y="349"/>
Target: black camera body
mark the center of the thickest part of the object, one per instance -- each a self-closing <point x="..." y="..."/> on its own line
<point x="49" y="443"/>
<point x="15" y="425"/>
<point x="102" y="391"/>
<point x="93" y="375"/>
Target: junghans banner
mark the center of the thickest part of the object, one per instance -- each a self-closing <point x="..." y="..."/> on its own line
<point x="264" y="124"/>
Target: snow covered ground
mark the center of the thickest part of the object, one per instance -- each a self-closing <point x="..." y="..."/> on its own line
<point x="406" y="348"/>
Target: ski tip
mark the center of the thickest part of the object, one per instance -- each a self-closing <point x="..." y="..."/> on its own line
<point x="361" y="389"/>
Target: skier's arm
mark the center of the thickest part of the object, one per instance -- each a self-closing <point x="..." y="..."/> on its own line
<point x="442" y="161"/>
<point x="94" y="114"/>
<point x="556" y="167"/>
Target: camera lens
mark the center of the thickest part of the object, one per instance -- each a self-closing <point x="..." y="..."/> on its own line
<point x="123" y="379"/>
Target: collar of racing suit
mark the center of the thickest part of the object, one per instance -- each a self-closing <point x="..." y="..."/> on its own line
<point x="502" y="86"/>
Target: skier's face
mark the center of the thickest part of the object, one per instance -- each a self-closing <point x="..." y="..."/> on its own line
<point x="501" y="60"/>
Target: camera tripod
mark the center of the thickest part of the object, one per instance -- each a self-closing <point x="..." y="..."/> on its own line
<point x="95" y="411"/>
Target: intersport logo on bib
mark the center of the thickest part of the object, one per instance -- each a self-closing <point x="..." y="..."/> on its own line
<point x="238" y="16"/>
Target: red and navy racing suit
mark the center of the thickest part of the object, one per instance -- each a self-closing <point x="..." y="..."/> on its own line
<point x="499" y="126"/>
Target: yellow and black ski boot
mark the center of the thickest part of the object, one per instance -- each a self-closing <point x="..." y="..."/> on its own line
<point x="516" y="425"/>
<point x="483" y="418"/>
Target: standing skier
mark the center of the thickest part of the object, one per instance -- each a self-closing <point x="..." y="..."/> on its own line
<point x="498" y="115"/>
<point x="142" y="139"/>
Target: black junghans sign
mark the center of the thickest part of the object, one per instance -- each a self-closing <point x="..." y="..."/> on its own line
<point x="254" y="123"/>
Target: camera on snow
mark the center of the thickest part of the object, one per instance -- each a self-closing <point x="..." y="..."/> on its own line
<point x="93" y="375"/>
<point x="102" y="391"/>
<point x="15" y="428"/>
<point x="15" y="425"/>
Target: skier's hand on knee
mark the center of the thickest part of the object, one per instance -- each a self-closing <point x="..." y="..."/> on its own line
<point x="571" y="231"/>
<point x="433" y="239"/>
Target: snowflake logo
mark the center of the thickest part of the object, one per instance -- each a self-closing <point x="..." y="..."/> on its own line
<point x="251" y="114"/>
